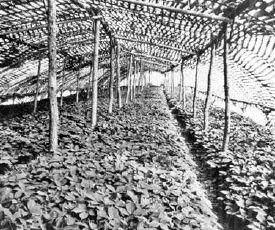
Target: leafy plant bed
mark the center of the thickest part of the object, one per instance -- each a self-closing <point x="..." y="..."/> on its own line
<point x="129" y="173"/>
<point x="244" y="176"/>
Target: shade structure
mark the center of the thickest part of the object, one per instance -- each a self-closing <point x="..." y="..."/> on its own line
<point x="161" y="33"/>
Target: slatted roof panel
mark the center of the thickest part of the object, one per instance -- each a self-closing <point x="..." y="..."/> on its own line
<point x="160" y="33"/>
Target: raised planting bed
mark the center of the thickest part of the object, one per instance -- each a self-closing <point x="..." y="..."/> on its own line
<point x="244" y="176"/>
<point x="131" y="172"/>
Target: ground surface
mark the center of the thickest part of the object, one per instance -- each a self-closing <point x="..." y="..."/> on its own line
<point x="131" y="172"/>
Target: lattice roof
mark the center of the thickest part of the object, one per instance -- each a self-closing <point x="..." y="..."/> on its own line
<point x="159" y="33"/>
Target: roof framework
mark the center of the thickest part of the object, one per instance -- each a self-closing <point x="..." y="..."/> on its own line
<point x="159" y="33"/>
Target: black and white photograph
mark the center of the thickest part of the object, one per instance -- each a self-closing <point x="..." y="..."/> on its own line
<point x="137" y="114"/>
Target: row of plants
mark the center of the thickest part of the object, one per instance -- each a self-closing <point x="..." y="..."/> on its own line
<point x="129" y="173"/>
<point x="244" y="176"/>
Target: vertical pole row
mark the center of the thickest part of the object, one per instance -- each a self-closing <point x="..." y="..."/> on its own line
<point x="195" y="89"/>
<point x="52" y="89"/>
<point x="118" y="76"/>
<point x="226" y="95"/>
<point x="37" y="86"/>
<point x="95" y="71"/>
<point x="63" y="82"/>
<point x="209" y="91"/>
<point x="111" y="82"/>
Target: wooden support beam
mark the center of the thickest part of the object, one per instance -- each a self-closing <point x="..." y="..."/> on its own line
<point x="89" y="82"/>
<point x="154" y="44"/>
<point x="118" y="76"/>
<point x="63" y="82"/>
<point x="111" y="82"/>
<point x="77" y="85"/>
<point x="226" y="135"/>
<point x="134" y="79"/>
<point x="95" y="72"/>
<point x="178" y="10"/>
<point x="209" y="91"/>
<point x="142" y="74"/>
<point x="52" y="29"/>
<point x="153" y="57"/>
<point x="37" y="86"/>
<point x="183" y="88"/>
<point x="129" y="87"/>
<point x="152" y="62"/>
<point x="196" y="89"/>
<point x="42" y="26"/>
<point x="173" y="83"/>
<point x="139" y="78"/>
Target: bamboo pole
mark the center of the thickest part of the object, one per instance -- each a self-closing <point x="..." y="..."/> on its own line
<point x="77" y="86"/>
<point x="226" y="136"/>
<point x="111" y="82"/>
<point x="52" y="89"/>
<point x="129" y="80"/>
<point x="195" y="89"/>
<point x="183" y="87"/>
<point x="209" y="91"/>
<point x="37" y="86"/>
<point x="95" y="71"/>
<point x="89" y="82"/>
<point x="62" y="82"/>
<point x="118" y="77"/>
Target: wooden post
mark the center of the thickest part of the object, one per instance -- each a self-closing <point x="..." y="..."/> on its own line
<point x="209" y="91"/>
<point x="129" y="80"/>
<point x="131" y="83"/>
<point x="180" y="87"/>
<point x="77" y="85"/>
<point x="89" y="82"/>
<point x="52" y="89"/>
<point x="134" y="79"/>
<point x="170" y="83"/>
<point x="183" y="87"/>
<point x="195" y="89"/>
<point x="149" y="75"/>
<point x="173" y="83"/>
<point x="37" y="86"/>
<point x="142" y="75"/>
<point x="62" y="82"/>
<point x="227" y="96"/>
<point x="95" y="72"/>
<point x="111" y="82"/>
<point x="118" y="76"/>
